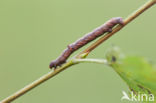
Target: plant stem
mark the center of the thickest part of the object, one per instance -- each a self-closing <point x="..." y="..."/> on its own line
<point x="147" y="5"/>
<point x="99" y="61"/>
<point x="70" y="63"/>
<point x="36" y="83"/>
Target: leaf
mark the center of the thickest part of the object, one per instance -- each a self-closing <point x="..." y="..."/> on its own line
<point x="136" y="71"/>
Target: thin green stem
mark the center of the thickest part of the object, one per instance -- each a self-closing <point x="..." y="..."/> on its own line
<point x="36" y="83"/>
<point x="51" y="74"/>
<point x="99" y="61"/>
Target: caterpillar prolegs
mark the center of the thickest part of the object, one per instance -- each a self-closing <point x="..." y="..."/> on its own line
<point x="106" y="27"/>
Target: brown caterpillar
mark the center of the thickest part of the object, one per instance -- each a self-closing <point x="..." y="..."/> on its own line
<point x="107" y="27"/>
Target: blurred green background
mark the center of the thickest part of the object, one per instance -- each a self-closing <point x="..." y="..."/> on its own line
<point x="34" y="32"/>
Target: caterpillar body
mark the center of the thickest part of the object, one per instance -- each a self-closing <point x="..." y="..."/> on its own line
<point x="106" y="27"/>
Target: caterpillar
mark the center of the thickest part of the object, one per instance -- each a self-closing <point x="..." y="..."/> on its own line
<point x="106" y="27"/>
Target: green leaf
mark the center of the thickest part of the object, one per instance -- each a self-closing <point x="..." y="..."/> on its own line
<point x="136" y="71"/>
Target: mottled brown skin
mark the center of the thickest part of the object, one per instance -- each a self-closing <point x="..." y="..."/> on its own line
<point x="107" y="27"/>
